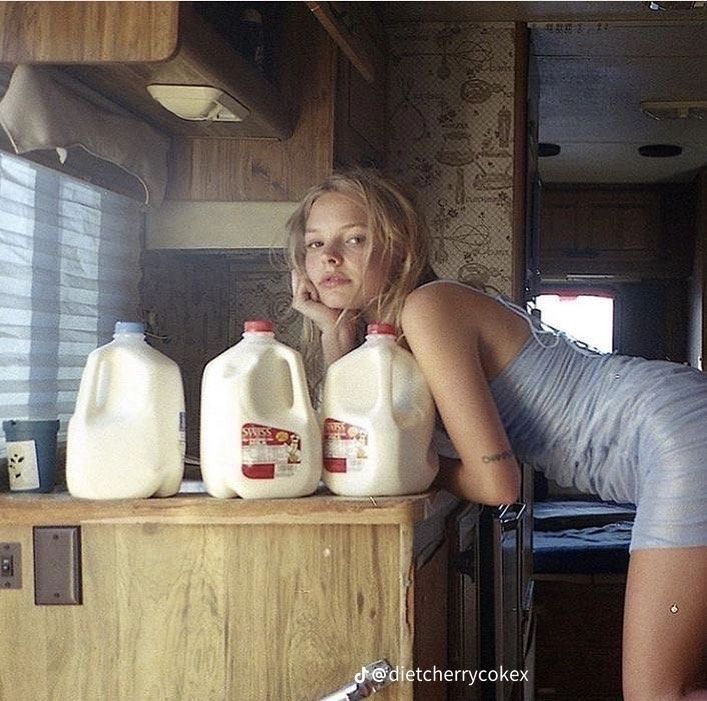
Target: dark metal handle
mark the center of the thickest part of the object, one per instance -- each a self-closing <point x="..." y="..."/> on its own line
<point x="511" y="515"/>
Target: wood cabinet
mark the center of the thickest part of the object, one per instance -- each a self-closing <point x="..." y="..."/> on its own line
<point x="66" y="32"/>
<point x="340" y="122"/>
<point x="359" y="121"/>
<point x="192" y="597"/>
<point x="290" y="140"/>
<point x="600" y="231"/>
<point x="235" y="169"/>
<point x="121" y="48"/>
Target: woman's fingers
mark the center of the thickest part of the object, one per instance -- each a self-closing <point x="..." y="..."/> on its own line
<point x="302" y="288"/>
<point x="305" y="300"/>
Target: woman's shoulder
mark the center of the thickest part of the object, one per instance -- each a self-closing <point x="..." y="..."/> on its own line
<point x="444" y="305"/>
<point x="452" y="309"/>
<point x="441" y="294"/>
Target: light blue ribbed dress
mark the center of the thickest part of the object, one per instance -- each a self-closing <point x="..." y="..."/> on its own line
<point x="624" y="428"/>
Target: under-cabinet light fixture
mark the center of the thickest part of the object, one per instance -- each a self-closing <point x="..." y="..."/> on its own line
<point x="199" y="103"/>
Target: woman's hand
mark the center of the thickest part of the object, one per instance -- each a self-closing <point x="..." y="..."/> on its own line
<point x="305" y="300"/>
<point x="338" y="326"/>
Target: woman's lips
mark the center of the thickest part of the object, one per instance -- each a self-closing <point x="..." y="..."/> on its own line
<point x="332" y="281"/>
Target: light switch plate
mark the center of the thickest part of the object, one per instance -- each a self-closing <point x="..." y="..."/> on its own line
<point x="57" y="565"/>
<point x="10" y="566"/>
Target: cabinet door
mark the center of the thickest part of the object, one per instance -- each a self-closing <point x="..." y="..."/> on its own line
<point x="561" y="232"/>
<point x="217" y="612"/>
<point x="90" y="32"/>
<point x="622" y="225"/>
<point x="464" y="603"/>
<point x="600" y="231"/>
<point x="430" y="641"/>
<point x="359" y="127"/>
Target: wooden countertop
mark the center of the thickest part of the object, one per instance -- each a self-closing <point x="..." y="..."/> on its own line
<point x="60" y="508"/>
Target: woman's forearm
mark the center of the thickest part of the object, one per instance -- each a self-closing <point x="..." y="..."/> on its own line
<point x="455" y="479"/>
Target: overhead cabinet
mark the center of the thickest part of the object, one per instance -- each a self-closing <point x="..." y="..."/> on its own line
<point x="616" y="230"/>
<point x="121" y="48"/>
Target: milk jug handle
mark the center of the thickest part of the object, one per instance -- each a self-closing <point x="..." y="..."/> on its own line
<point x="242" y="371"/>
<point x="300" y="397"/>
<point x="88" y="393"/>
<point x="384" y="362"/>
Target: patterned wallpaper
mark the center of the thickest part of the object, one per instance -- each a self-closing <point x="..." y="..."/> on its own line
<point x="450" y="135"/>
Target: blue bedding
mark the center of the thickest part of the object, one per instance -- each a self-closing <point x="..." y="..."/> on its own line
<point x="559" y="515"/>
<point x="581" y="537"/>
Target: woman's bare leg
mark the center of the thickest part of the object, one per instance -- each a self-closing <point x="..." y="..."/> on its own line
<point x="665" y="625"/>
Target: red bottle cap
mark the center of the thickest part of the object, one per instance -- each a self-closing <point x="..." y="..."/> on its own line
<point x="255" y="325"/>
<point x="380" y="327"/>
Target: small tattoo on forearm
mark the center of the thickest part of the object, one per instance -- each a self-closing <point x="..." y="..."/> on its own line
<point x="497" y="457"/>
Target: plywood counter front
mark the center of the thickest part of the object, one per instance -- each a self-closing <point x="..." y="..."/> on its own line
<point x="192" y="597"/>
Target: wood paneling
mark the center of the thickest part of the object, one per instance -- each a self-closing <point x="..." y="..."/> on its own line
<point x="179" y="606"/>
<point x="61" y="509"/>
<point x="357" y="31"/>
<point x="231" y="169"/>
<point x="195" y="612"/>
<point x="72" y="32"/>
<point x="359" y="130"/>
<point x="524" y="163"/>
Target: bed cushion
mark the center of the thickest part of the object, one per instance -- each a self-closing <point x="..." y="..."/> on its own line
<point x="591" y="550"/>
<point x="558" y="515"/>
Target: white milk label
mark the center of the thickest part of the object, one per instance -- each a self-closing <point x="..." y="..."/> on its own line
<point x="345" y="447"/>
<point x="22" y="465"/>
<point x="269" y="452"/>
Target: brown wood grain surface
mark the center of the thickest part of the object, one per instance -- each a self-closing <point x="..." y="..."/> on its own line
<point x="72" y="32"/>
<point x="232" y="169"/>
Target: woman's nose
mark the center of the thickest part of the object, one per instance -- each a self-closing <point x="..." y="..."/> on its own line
<point x="331" y="254"/>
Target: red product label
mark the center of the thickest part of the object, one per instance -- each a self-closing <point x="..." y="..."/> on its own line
<point x="345" y="447"/>
<point x="269" y="452"/>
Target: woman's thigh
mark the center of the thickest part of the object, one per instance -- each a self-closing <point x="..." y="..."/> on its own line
<point x="665" y="625"/>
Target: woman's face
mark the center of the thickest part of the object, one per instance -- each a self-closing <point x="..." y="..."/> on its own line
<point x="340" y="259"/>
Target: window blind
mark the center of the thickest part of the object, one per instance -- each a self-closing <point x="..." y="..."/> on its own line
<point x="70" y="257"/>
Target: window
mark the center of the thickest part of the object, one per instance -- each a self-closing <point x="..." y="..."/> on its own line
<point x="70" y="256"/>
<point x="585" y="315"/>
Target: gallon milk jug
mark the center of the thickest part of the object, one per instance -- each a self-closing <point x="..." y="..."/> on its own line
<point x="260" y="437"/>
<point x="126" y="436"/>
<point x="377" y="420"/>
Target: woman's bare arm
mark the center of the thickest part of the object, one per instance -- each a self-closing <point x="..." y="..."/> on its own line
<point x="445" y="342"/>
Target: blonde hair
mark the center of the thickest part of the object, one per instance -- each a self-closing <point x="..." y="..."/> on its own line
<point x="396" y="231"/>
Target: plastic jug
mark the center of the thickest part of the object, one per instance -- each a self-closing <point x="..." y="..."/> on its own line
<point x="126" y="438"/>
<point x="260" y="436"/>
<point x="377" y="421"/>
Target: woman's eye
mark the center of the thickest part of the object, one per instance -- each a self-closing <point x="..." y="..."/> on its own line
<point x="357" y="239"/>
<point x="311" y="245"/>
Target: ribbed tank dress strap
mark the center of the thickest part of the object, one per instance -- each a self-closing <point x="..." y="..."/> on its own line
<point x="546" y="336"/>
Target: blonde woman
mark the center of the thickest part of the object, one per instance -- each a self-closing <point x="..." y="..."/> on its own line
<point x="627" y="429"/>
